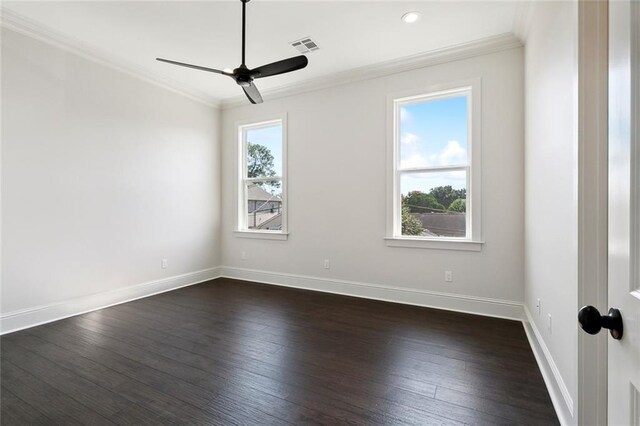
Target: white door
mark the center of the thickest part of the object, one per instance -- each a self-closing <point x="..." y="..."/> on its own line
<point x="624" y="209"/>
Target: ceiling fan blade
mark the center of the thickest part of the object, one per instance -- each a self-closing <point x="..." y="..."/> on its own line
<point x="252" y="93"/>
<point x="197" y="67"/>
<point x="280" y="67"/>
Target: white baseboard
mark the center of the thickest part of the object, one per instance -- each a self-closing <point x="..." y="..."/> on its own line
<point x="448" y="301"/>
<point x="31" y="317"/>
<point x="560" y="397"/>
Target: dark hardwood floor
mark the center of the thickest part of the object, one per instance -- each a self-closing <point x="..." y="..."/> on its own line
<point x="235" y="353"/>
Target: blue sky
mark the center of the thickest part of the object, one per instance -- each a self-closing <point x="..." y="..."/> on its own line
<point x="433" y="133"/>
<point x="271" y="137"/>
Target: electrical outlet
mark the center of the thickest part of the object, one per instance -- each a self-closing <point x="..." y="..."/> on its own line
<point x="538" y="306"/>
<point x="448" y="276"/>
<point x="327" y="265"/>
<point x="164" y="263"/>
<point x="549" y="323"/>
<point x="243" y="255"/>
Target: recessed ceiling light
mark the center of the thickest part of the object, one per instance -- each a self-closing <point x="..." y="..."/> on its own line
<point x="410" y="17"/>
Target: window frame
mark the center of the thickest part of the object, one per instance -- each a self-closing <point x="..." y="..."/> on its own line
<point x="241" y="229"/>
<point x="473" y="239"/>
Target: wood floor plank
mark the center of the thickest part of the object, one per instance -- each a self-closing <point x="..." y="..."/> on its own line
<point x="221" y="383"/>
<point x="510" y="409"/>
<point x="100" y="376"/>
<point x="57" y="406"/>
<point x="228" y="352"/>
<point x="18" y="412"/>
<point x="311" y="360"/>
<point x="212" y="408"/>
<point x="255" y="365"/>
<point x="265" y="374"/>
<point x="302" y="346"/>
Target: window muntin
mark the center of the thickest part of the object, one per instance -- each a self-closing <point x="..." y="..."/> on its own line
<point x="432" y="166"/>
<point x="261" y="201"/>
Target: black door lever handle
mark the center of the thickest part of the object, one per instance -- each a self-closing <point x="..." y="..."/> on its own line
<point x="591" y="321"/>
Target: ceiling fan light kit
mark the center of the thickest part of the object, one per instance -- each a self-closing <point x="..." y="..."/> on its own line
<point x="243" y="75"/>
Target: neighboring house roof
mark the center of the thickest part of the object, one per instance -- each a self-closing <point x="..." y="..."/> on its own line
<point x="443" y="224"/>
<point x="258" y="194"/>
<point x="272" y="223"/>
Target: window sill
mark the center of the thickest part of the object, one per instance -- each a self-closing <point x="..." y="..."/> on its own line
<point x="438" y="244"/>
<point x="263" y="235"/>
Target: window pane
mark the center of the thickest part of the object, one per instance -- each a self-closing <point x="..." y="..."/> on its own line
<point x="434" y="204"/>
<point x="264" y="151"/>
<point x="434" y="133"/>
<point x="264" y="205"/>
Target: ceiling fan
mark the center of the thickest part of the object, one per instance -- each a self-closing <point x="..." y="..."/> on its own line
<point x="244" y="76"/>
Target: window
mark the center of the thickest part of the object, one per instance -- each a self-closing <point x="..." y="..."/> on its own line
<point x="434" y="184"/>
<point x="262" y="182"/>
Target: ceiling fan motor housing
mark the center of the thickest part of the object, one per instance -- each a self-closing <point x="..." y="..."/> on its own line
<point x="243" y="76"/>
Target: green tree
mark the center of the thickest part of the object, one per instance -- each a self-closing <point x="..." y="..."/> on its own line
<point x="410" y="224"/>
<point x="459" y="206"/>
<point x="419" y="202"/>
<point x="446" y="195"/>
<point x="260" y="163"/>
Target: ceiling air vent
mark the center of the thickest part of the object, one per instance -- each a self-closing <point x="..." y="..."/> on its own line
<point x="305" y="45"/>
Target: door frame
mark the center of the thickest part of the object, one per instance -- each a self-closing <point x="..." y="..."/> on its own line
<point x="592" y="194"/>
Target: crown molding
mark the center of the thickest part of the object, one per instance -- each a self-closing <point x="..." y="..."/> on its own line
<point x="22" y="25"/>
<point x="456" y="52"/>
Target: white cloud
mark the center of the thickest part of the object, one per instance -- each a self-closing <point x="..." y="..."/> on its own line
<point x="452" y="154"/>
<point x="414" y="160"/>
<point x="411" y="156"/>
<point x="409" y="139"/>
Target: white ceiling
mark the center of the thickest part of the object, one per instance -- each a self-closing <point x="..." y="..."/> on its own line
<point x="350" y="34"/>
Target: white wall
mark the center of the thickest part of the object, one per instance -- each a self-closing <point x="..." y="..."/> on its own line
<point x="103" y="175"/>
<point x="337" y="186"/>
<point x="551" y="256"/>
